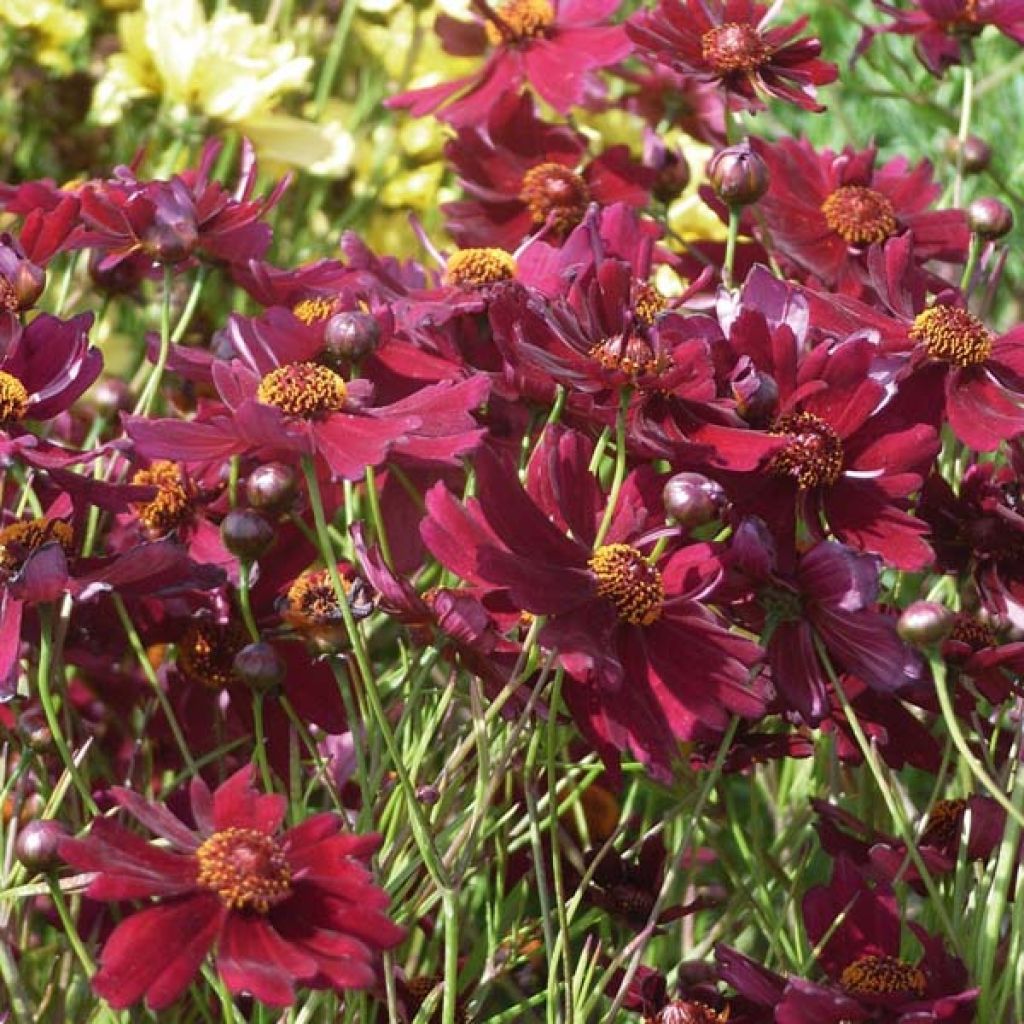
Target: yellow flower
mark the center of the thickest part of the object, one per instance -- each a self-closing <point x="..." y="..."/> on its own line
<point x="55" y="28"/>
<point x="225" y="67"/>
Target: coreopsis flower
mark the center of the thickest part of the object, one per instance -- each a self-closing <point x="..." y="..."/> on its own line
<point x="824" y="210"/>
<point x="944" y="29"/>
<point x="279" y="908"/>
<point x="616" y="616"/>
<point x="226" y="67"/>
<point x="854" y="927"/>
<point x="731" y="42"/>
<point x="553" y="45"/>
<point x="978" y="658"/>
<point x="23" y="258"/>
<point x="521" y="174"/>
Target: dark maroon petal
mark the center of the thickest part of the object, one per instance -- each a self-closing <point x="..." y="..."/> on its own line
<point x="237" y="805"/>
<point x="314" y="829"/>
<point x="803" y="1002"/>
<point x="252" y="957"/>
<point x="183" y="442"/>
<point x="559" y="481"/>
<point x="455" y="534"/>
<point x="351" y="443"/>
<point x="10" y="644"/>
<point x="157" y="818"/>
<point x="981" y="411"/>
<point x="797" y="671"/>
<point x="750" y="979"/>
<point x="43" y="577"/>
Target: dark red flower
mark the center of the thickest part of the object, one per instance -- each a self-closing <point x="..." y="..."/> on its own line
<point x="944" y="29"/>
<point x="616" y="617"/>
<point x="730" y="42"/>
<point x="280" y="908"/>
<point x="521" y="173"/>
<point x="823" y="210"/>
<point x="554" y="45"/>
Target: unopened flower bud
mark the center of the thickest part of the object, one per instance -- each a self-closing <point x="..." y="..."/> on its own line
<point x="272" y="488"/>
<point x="34" y="729"/>
<point x="170" y="242"/>
<point x="111" y="396"/>
<point x="29" y="282"/>
<point x="37" y="843"/>
<point x="976" y="153"/>
<point x="757" y="398"/>
<point x="738" y="175"/>
<point x="351" y="335"/>
<point x="925" y="623"/>
<point x="692" y="500"/>
<point x="989" y="217"/>
<point x="259" y="666"/>
<point x="428" y="795"/>
<point x="246" y="534"/>
<point x="673" y="176"/>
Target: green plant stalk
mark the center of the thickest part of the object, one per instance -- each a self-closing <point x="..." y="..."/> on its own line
<point x="730" y="245"/>
<point x="619" y="474"/>
<point x="152" y="387"/>
<point x="964" y="130"/>
<point x="60" y="903"/>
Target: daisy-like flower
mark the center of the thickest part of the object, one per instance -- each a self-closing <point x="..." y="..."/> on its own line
<point x="943" y="29"/>
<point x="554" y="45"/>
<point x="279" y="908"/>
<point x="617" y="617"/>
<point x="824" y="210"/>
<point x="731" y="42"/>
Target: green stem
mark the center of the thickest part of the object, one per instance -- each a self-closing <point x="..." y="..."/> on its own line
<point x="973" y="252"/>
<point x="152" y="386"/>
<point x="966" y="105"/>
<point x="245" y="599"/>
<point x="730" y="245"/>
<point x="620" y="468"/>
<point x="373" y="499"/>
<point x="261" y="743"/>
<point x="60" y="903"/>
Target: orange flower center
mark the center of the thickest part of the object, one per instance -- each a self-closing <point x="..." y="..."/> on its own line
<point x="474" y="268"/>
<point x="19" y="540"/>
<point x="648" y="302"/>
<point x="972" y="632"/>
<point x="953" y="335"/>
<point x="814" y="457"/>
<point x="630" y="582"/>
<point x="882" y="976"/>
<point x="631" y="355"/>
<point x="246" y="868"/>
<point x="734" y="48"/>
<point x="520" y="20"/>
<point x="206" y="652"/>
<point x="13" y="399"/>
<point x="311" y="311"/>
<point x="680" y="1012"/>
<point x="944" y="823"/>
<point x="551" y="190"/>
<point x="173" y="505"/>
<point x="859" y="215"/>
<point x="307" y="390"/>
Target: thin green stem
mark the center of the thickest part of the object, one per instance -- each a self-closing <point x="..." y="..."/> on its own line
<point x="964" y="130"/>
<point x="620" y="467"/>
<point x="152" y="385"/>
<point x="60" y="903"/>
<point x="730" y="246"/>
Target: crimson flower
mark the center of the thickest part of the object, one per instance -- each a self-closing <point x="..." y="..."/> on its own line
<point x="521" y="173"/>
<point x="729" y="41"/>
<point x="299" y="906"/>
<point x="943" y="29"/>
<point x="554" y="45"/>
<point x="824" y="209"/>
<point x="617" y="617"/>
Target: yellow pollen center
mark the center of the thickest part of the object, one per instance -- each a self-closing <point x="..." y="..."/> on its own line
<point x="551" y="190"/>
<point x="173" y="505"/>
<point x="303" y="389"/>
<point x="8" y="296"/>
<point x="814" y="456"/>
<point x="206" y="652"/>
<point x="859" y="215"/>
<point x="882" y="976"/>
<point x="246" y="868"/>
<point x="311" y="311"/>
<point x="631" y="355"/>
<point x="474" y="268"/>
<point x="311" y="600"/>
<point x="648" y="302"/>
<point x="944" y="823"/>
<point x="520" y="20"/>
<point x="13" y="399"/>
<point x="19" y="540"/>
<point x="630" y="582"/>
<point x="953" y="335"/>
<point x="734" y="48"/>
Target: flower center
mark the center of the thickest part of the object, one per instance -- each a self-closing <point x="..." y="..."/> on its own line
<point x="631" y="902"/>
<point x="630" y="582"/>
<point x="973" y="633"/>
<point x="944" y="823"/>
<point x="814" y="456"/>
<point x="246" y="868"/>
<point x="419" y="987"/>
<point x="680" y="1012"/>
<point x="8" y="296"/>
<point x="859" y="215"/>
<point x="311" y="311"/>
<point x="648" y="302"/>
<point x="303" y="389"/>
<point x="952" y="334"/>
<point x="551" y="190"/>
<point x="13" y="399"/>
<point x="206" y="652"/>
<point x="172" y="506"/>
<point x="882" y="976"/>
<point x="311" y="605"/>
<point x="631" y="355"/>
<point x="734" y="47"/>
<point x="19" y="540"/>
<point x="474" y="268"/>
<point x="520" y="20"/>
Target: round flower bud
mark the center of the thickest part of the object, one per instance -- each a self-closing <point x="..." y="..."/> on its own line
<point x="672" y="176"/>
<point x="111" y="396"/>
<point x="757" y="398"/>
<point x="925" y="623"/>
<point x="246" y="534"/>
<point x="692" y="500"/>
<point x="29" y="282"/>
<point x="259" y="666"/>
<point x="976" y="153"/>
<point x="36" y="845"/>
<point x="272" y="488"/>
<point x="738" y="175"/>
<point x="33" y="727"/>
<point x="989" y="217"/>
<point x="351" y="335"/>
